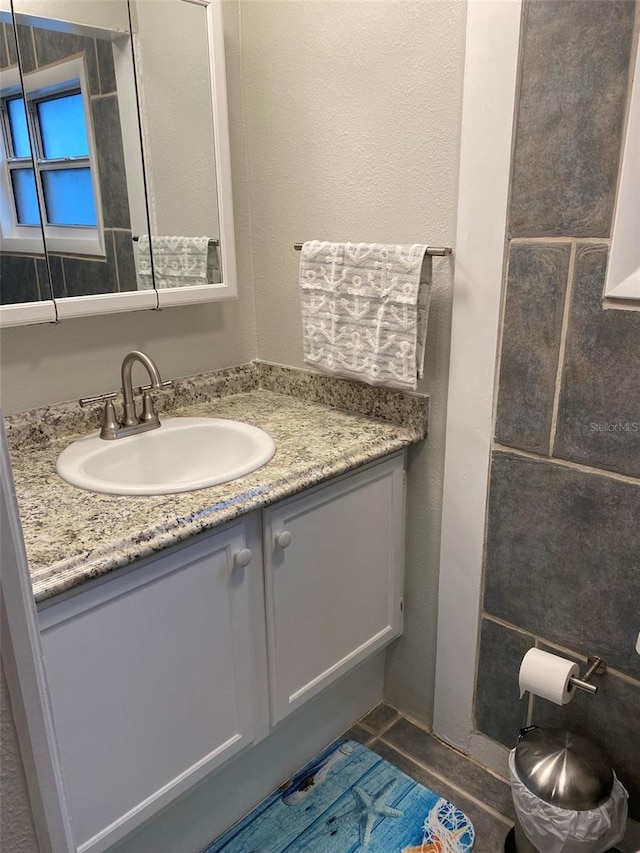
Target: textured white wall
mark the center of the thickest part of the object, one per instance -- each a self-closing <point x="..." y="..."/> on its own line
<point x="17" y="833"/>
<point x="353" y="121"/>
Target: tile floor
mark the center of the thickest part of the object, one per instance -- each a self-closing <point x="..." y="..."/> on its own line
<point x="485" y="798"/>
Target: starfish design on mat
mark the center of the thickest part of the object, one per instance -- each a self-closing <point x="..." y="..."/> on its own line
<point x="368" y="809"/>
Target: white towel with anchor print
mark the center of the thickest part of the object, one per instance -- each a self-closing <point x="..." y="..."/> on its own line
<point x="364" y="310"/>
<point x="177" y="261"/>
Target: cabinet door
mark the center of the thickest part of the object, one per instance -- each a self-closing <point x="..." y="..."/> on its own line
<point x="150" y="677"/>
<point x="333" y="560"/>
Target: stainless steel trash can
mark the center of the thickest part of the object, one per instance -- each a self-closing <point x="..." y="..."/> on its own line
<point x="563" y="769"/>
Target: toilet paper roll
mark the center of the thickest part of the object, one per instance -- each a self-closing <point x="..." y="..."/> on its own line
<point x="547" y="675"/>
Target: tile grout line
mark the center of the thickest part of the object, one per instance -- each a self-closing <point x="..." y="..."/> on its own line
<point x="532" y="241"/>
<point x="564" y="331"/>
<point x="537" y="638"/>
<point x="566" y="463"/>
<point x="445" y="780"/>
<point x="459" y="752"/>
<point x="385" y="728"/>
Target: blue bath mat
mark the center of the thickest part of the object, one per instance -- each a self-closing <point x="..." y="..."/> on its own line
<point x="349" y="799"/>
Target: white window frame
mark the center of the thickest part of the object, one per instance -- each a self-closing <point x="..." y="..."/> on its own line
<point x="71" y="74"/>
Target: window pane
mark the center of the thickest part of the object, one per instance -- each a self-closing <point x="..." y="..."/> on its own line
<point x="68" y="196"/>
<point x="24" y="192"/>
<point x="18" y="124"/>
<point x="62" y="127"/>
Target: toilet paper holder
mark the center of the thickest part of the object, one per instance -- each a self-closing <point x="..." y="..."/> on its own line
<point x="596" y="667"/>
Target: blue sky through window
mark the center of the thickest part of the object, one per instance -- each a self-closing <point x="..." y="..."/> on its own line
<point x="62" y="127"/>
<point x="24" y="191"/>
<point x="68" y="192"/>
<point x="69" y="197"/>
<point x="18" y="125"/>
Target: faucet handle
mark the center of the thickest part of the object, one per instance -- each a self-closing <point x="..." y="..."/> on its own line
<point x="142" y="388"/>
<point x="149" y="414"/>
<point x="110" y="423"/>
<point x="100" y="398"/>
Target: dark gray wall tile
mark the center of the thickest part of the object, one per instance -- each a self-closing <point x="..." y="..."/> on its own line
<point x="52" y="46"/>
<point x="18" y="280"/>
<point x="106" y="69"/>
<point x="113" y="182"/>
<point x="490" y="831"/>
<point x="575" y="66"/>
<point x="8" y="52"/>
<point x="536" y="289"/>
<point x="125" y="261"/>
<point x="610" y="719"/>
<point x="562" y="557"/>
<point x="84" y="277"/>
<point x="44" y="285"/>
<point x="56" y="270"/>
<point x="27" y="52"/>
<point x="599" y="407"/>
<point x="500" y="713"/>
<point x="447" y="762"/>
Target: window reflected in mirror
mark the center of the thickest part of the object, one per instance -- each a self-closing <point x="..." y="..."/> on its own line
<point x="94" y="123"/>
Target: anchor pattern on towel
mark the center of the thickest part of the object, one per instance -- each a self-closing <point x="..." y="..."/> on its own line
<point x="172" y="261"/>
<point x="364" y="310"/>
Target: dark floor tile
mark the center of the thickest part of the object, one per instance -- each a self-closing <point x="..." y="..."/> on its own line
<point x="536" y="289"/>
<point x="562" y="557"/>
<point x="447" y="762"/>
<point x="599" y="407"/>
<point x="610" y="719"/>
<point x="379" y="718"/>
<point x="500" y="713"/>
<point x="359" y="734"/>
<point x="574" y="72"/>
<point x="490" y="830"/>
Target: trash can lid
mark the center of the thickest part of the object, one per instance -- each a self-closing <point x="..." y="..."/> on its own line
<point x="563" y="768"/>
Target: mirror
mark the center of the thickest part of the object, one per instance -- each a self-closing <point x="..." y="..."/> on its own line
<point x="623" y="271"/>
<point x="24" y="276"/>
<point x="127" y="226"/>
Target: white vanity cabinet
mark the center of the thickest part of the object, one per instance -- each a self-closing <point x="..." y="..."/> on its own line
<point x="161" y="672"/>
<point x="152" y="679"/>
<point x="333" y="580"/>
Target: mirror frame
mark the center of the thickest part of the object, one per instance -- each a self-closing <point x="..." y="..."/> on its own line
<point x="26" y="313"/>
<point x="623" y="270"/>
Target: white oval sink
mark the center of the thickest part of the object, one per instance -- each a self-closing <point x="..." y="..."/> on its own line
<point x="182" y="455"/>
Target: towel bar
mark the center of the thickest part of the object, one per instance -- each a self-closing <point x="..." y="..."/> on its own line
<point x="212" y="241"/>
<point x="431" y="250"/>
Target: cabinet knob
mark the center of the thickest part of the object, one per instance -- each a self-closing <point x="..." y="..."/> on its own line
<point x="243" y="558"/>
<point x="283" y="539"/>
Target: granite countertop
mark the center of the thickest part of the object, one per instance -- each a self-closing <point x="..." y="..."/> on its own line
<point x="322" y="427"/>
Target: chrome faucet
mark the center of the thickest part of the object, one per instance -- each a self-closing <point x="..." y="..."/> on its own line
<point x="149" y="417"/>
<point x="131" y="423"/>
